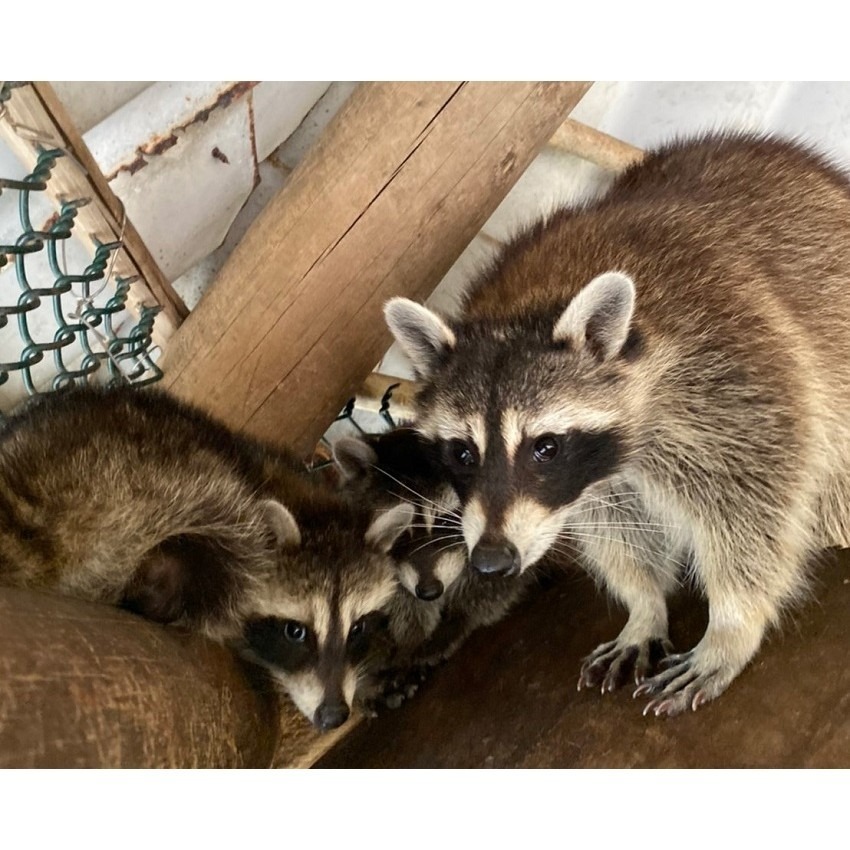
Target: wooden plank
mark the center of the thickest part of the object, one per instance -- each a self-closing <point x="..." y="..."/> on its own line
<point x="370" y="396"/>
<point x="34" y="117"/>
<point x="594" y="145"/>
<point x="397" y="186"/>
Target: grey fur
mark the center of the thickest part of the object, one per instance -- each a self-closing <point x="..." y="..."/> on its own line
<point x="382" y="469"/>
<point x="131" y="498"/>
<point x="727" y="404"/>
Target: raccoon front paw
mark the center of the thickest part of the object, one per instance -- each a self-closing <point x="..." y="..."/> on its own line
<point x="394" y="687"/>
<point x="612" y="663"/>
<point x="683" y="682"/>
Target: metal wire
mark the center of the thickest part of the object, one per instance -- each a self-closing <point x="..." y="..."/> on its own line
<point x="83" y="335"/>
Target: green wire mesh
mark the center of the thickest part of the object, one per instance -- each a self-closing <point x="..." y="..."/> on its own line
<point x="57" y="327"/>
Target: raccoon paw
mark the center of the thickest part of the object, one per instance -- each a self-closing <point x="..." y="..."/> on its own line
<point x="394" y="687"/>
<point x="682" y="684"/>
<point x="612" y="663"/>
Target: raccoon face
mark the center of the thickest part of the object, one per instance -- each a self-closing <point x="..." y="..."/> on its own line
<point x="528" y="413"/>
<point x="401" y="465"/>
<point x="431" y="558"/>
<point x="320" y="625"/>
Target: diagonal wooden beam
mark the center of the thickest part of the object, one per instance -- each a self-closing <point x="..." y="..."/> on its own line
<point x="34" y="118"/>
<point x="395" y="189"/>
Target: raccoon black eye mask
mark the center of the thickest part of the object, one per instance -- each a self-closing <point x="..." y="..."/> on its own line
<point x="694" y="389"/>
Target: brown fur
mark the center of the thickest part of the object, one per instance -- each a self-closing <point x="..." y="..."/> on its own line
<point x="131" y="498"/>
<point x="382" y="470"/>
<point x="727" y="403"/>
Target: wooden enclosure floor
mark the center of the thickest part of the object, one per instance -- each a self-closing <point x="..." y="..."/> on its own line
<point x="509" y="698"/>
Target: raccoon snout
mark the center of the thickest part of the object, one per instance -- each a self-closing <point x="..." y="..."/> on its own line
<point x="495" y="558"/>
<point x="429" y="590"/>
<point x="329" y="715"/>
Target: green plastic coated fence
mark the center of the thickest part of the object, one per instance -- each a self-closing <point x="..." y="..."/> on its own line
<point x="59" y="327"/>
<point x="78" y="341"/>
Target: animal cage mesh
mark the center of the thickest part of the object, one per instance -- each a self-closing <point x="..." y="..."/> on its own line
<point x="63" y="315"/>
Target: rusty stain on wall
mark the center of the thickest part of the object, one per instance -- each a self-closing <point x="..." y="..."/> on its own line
<point x="167" y="139"/>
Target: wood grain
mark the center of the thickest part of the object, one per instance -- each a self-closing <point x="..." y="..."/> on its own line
<point x="394" y="190"/>
<point x="508" y="699"/>
<point x="595" y="146"/>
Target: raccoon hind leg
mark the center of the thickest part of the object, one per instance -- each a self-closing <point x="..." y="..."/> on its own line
<point x="185" y="576"/>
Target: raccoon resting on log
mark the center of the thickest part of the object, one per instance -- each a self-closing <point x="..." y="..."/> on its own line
<point x="132" y="498"/>
<point x="662" y="377"/>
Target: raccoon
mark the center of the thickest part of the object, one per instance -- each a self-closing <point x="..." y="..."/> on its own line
<point x="131" y="498"/>
<point x="659" y="376"/>
<point x="441" y="601"/>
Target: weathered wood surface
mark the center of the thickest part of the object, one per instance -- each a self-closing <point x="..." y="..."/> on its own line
<point x="509" y="699"/>
<point x="87" y="685"/>
<point x="397" y="186"/>
<point x="595" y="146"/>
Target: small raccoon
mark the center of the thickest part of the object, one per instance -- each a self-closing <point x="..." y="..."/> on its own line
<point x="132" y="498"/>
<point x="659" y="376"/>
<point x="444" y="601"/>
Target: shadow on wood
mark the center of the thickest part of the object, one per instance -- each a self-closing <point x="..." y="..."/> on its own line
<point x="509" y="698"/>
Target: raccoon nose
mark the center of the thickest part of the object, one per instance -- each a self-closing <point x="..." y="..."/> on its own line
<point x="429" y="590"/>
<point x="495" y="558"/>
<point x="329" y="715"/>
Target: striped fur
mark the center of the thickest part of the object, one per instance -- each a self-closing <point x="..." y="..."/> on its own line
<point x="683" y="340"/>
<point x="131" y="498"/>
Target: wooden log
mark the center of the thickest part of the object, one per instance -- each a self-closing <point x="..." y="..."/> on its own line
<point x="595" y="146"/>
<point x="88" y="685"/>
<point x="394" y="190"/>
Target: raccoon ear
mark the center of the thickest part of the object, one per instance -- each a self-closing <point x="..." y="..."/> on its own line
<point x="423" y="335"/>
<point x="388" y="526"/>
<point x="599" y="317"/>
<point x="282" y="523"/>
<point x="355" y="458"/>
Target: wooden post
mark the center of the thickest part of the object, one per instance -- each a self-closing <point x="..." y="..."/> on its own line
<point x="394" y="190"/>
<point x="593" y="145"/>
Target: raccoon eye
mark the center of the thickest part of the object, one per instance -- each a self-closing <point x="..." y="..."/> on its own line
<point x="367" y="624"/>
<point x="462" y="453"/>
<point x="295" y="631"/>
<point x="545" y="449"/>
<point x="361" y="636"/>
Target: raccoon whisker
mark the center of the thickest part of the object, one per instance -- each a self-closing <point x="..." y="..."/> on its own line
<point x="441" y="508"/>
<point x="653" y="556"/>
<point x="449" y="546"/>
<point x="439" y="539"/>
<point x="617" y="502"/>
<point x="635" y="530"/>
<point x="444" y="520"/>
<point x="614" y="500"/>
<point x="585" y="536"/>
<point x="443" y="524"/>
<point x="652" y="527"/>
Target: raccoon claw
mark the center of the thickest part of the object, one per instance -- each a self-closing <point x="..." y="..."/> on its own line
<point x="610" y="664"/>
<point x="679" y="687"/>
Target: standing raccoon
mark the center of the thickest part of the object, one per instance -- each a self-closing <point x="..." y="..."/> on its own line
<point x="131" y="498"/>
<point x="661" y="376"/>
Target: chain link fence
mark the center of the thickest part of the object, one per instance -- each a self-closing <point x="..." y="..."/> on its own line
<point x="63" y="313"/>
